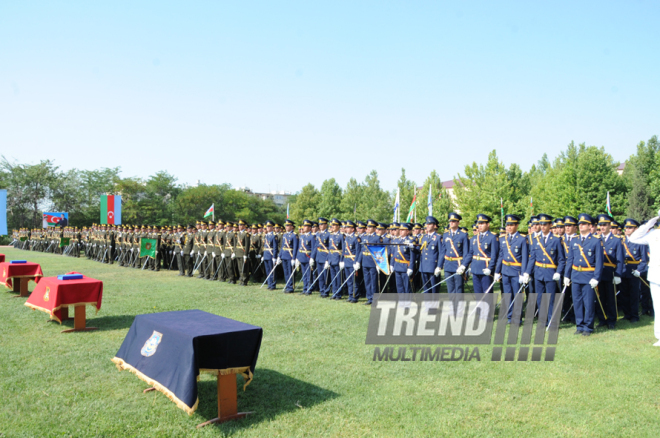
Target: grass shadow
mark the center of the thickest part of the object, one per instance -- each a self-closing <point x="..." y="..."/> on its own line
<point x="113" y="322"/>
<point x="269" y="395"/>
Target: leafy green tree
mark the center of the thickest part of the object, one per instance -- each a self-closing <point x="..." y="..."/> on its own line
<point x="441" y="201"/>
<point x="65" y="196"/>
<point x="376" y="202"/>
<point x="351" y="202"/>
<point x="306" y="205"/>
<point x="407" y="190"/>
<point x="330" y="199"/>
<point x="192" y="203"/>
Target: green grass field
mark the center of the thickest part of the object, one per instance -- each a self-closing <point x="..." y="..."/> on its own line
<point x="315" y="375"/>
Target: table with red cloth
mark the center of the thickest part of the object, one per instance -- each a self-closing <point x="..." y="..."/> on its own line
<point x="2" y="258"/>
<point x="28" y="271"/>
<point x="52" y="295"/>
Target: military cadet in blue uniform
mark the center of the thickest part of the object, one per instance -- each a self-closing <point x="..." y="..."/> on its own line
<point x="485" y="251"/>
<point x="404" y="259"/>
<point x="320" y="256"/>
<point x="359" y="275"/>
<point x="512" y="261"/>
<point x="547" y="260"/>
<point x="570" y="228"/>
<point x="636" y="263"/>
<point x="584" y="265"/>
<point x="366" y="261"/>
<point x="430" y="246"/>
<point x="613" y="262"/>
<point x="288" y="254"/>
<point x="270" y="253"/>
<point x="305" y="246"/>
<point x="454" y="256"/>
<point x="335" y="247"/>
<point x="350" y="252"/>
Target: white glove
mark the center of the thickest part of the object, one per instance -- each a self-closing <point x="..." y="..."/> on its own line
<point x="341" y="265"/>
<point x="460" y="270"/>
<point x="192" y="252"/>
<point x="593" y="283"/>
<point x="567" y="281"/>
<point x="279" y="261"/>
<point x="311" y="262"/>
<point x="636" y="273"/>
<point x="556" y="276"/>
<point x="356" y="265"/>
<point x="497" y="277"/>
<point x="327" y="265"/>
<point x="205" y="253"/>
<point x="233" y="256"/>
<point x="258" y="256"/>
<point x="213" y="255"/>
<point x="521" y="279"/>
<point x="410" y="245"/>
<point x="244" y="258"/>
<point x="297" y="263"/>
<point x="525" y="278"/>
<point x="469" y="271"/>
<point x="131" y="249"/>
<point x="617" y="280"/>
<point x="486" y="271"/>
<point x="181" y="252"/>
<point x="409" y="272"/>
<point x="437" y="272"/>
<point x="293" y="263"/>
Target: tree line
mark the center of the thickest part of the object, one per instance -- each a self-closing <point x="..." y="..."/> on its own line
<point x="576" y="181"/>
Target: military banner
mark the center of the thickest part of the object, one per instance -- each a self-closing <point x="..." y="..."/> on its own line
<point x="380" y="256"/>
<point x="148" y="248"/>
<point x="64" y="241"/>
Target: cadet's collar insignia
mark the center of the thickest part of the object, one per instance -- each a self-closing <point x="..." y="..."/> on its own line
<point x="150" y="347"/>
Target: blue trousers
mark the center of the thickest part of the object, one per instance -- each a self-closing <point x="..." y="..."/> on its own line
<point x="351" y="282"/>
<point x="306" y="277"/>
<point x="315" y="273"/>
<point x="322" y="282"/>
<point x="454" y="284"/>
<point x="429" y="281"/>
<point x="545" y="287"/>
<point x="286" y="266"/>
<point x="608" y="298"/>
<point x="584" y="299"/>
<point x="510" y="285"/>
<point x="370" y="281"/>
<point x="481" y="283"/>
<point x="631" y="290"/>
<point x="402" y="283"/>
<point x="336" y="280"/>
<point x="268" y="265"/>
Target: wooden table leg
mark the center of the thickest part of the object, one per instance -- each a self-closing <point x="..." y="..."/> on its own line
<point x="227" y="410"/>
<point x="20" y="285"/>
<point x="79" y="321"/>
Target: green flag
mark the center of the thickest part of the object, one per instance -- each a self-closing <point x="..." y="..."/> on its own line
<point x="148" y="247"/>
<point x="64" y="241"/>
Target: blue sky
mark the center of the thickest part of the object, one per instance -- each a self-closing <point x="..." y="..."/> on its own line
<point x="273" y="95"/>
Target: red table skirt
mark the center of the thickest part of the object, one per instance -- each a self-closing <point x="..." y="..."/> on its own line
<point x="2" y="258"/>
<point x="19" y="270"/>
<point x="52" y="294"/>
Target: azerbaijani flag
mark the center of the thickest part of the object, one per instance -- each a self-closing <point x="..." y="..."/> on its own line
<point x="412" y="208"/>
<point x="609" y="206"/>
<point x="287" y="211"/>
<point x="210" y="211"/>
<point x="429" y="202"/>
<point x="111" y="209"/>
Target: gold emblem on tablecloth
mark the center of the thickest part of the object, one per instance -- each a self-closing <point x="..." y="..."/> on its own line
<point x="47" y="294"/>
<point x="151" y="345"/>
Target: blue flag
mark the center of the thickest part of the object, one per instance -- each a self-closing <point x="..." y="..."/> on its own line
<point x="379" y="254"/>
<point x="3" y="212"/>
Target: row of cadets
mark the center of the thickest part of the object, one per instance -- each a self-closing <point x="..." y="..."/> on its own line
<point x="636" y="265"/>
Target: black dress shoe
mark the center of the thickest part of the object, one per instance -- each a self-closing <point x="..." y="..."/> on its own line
<point x="586" y="334"/>
<point x="324" y="296"/>
<point x="578" y="332"/>
<point x="610" y="326"/>
<point x="368" y="303"/>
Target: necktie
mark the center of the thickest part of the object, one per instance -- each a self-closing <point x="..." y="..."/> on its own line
<point x="581" y="240"/>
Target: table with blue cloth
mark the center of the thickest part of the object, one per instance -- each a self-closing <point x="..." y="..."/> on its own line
<point x="169" y="350"/>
